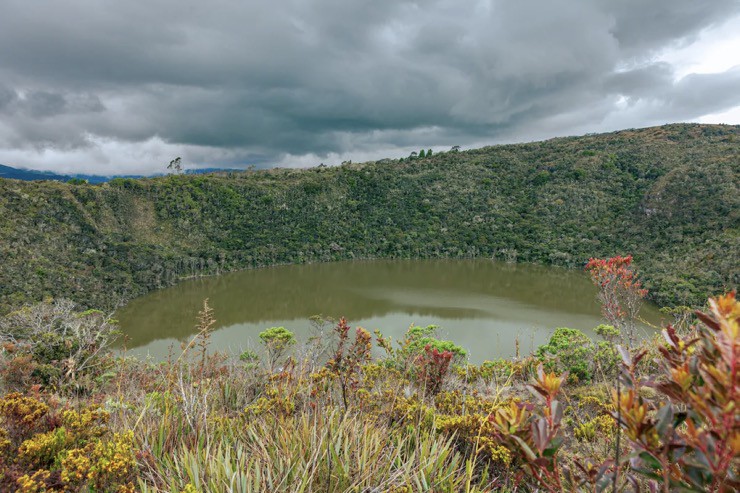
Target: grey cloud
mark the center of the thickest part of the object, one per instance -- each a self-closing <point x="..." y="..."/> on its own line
<point x="642" y="81"/>
<point x="691" y="95"/>
<point x="42" y="104"/>
<point x="7" y="98"/>
<point x="642" y="27"/>
<point x="706" y="93"/>
<point x="258" y="81"/>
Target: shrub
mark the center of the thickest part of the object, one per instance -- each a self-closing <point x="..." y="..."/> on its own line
<point x="249" y="357"/>
<point x="66" y="346"/>
<point x="71" y="450"/>
<point x="691" y="442"/>
<point x="620" y="292"/>
<point x="277" y="340"/>
<point x="418" y="338"/>
<point x="432" y="367"/>
<point x="568" y="350"/>
<point x="348" y="359"/>
<point x="608" y="332"/>
<point x="606" y="357"/>
<point x="21" y="416"/>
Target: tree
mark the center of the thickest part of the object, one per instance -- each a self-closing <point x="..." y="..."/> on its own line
<point x="421" y="153"/>
<point x="175" y="165"/>
<point x="455" y="149"/>
<point x="429" y="153"/>
<point x="276" y="340"/>
<point x="620" y="292"/>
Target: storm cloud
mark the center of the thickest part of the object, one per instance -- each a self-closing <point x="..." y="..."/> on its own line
<point x="116" y="87"/>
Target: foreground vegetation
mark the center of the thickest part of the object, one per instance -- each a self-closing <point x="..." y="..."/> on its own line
<point x="329" y="415"/>
<point x="668" y="194"/>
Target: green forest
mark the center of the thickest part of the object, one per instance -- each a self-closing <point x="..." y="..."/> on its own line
<point x="667" y="195"/>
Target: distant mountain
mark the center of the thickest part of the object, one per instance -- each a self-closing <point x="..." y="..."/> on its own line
<point x="29" y="175"/>
<point x="33" y="175"/>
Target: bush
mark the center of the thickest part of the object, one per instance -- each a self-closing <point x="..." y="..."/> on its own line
<point x="67" y="450"/>
<point x="606" y="357"/>
<point x="432" y="368"/>
<point x="568" y="350"/>
<point x="277" y="340"/>
<point x="60" y="345"/>
<point x="418" y="338"/>
<point x="691" y="442"/>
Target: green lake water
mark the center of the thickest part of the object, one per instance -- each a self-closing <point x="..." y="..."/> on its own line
<point x="481" y="304"/>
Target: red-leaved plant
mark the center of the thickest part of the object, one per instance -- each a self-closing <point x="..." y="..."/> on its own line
<point x="620" y="292"/>
<point x="433" y="366"/>
<point x="348" y="358"/>
<point x="533" y="432"/>
<point x="691" y="442"/>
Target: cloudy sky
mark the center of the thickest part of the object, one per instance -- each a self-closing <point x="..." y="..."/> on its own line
<point x="111" y="86"/>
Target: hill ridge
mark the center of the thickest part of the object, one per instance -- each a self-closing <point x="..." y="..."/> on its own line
<point x="668" y="195"/>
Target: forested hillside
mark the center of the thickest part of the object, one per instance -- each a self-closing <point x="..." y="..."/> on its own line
<point x="668" y="195"/>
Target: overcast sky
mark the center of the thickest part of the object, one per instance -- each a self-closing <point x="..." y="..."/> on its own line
<point x="111" y="86"/>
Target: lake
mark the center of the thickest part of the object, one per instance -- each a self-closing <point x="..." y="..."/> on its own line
<point x="480" y="304"/>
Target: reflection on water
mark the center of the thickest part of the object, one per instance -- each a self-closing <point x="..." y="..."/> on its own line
<point x="481" y="304"/>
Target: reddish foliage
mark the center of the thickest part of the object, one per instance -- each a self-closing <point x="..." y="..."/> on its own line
<point x="433" y="366"/>
<point x="534" y="432"/>
<point x="691" y="442"/>
<point x="620" y="291"/>
<point x="348" y="358"/>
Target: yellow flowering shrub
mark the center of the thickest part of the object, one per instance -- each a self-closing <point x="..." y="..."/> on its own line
<point x="412" y="411"/>
<point x="5" y="444"/>
<point x="115" y="460"/>
<point x="456" y="402"/>
<point x="35" y="483"/>
<point x="476" y="433"/>
<point x="76" y="466"/>
<point x="43" y="449"/>
<point x="102" y="464"/>
<point x="21" y="415"/>
<point x="499" y="454"/>
<point x="376" y="374"/>
<point x="599" y="427"/>
<point x="88" y="422"/>
<point x="71" y="450"/>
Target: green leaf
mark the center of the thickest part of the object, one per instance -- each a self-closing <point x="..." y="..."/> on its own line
<point x="525" y="448"/>
<point x="664" y="417"/>
<point x="650" y="460"/>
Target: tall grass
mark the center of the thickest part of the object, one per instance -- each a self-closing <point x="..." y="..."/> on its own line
<point x="331" y="452"/>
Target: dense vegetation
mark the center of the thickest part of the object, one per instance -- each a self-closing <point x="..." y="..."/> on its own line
<point x="668" y="195"/>
<point x="325" y="415"/>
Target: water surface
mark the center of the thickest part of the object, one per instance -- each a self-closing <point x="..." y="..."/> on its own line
<point x="480" y="304"/>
